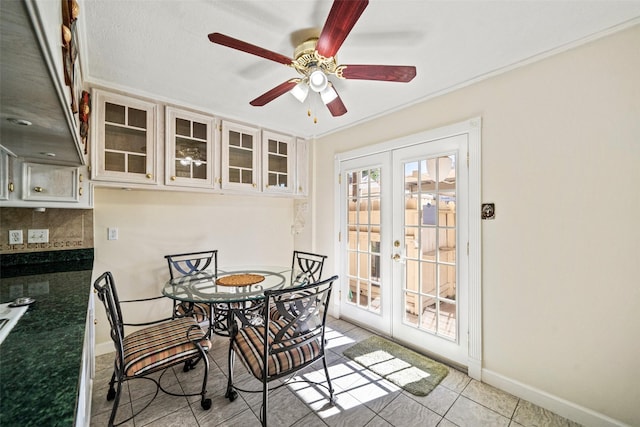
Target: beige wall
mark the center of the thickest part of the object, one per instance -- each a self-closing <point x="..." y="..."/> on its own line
<point x="560" y="269"/>
<point x="151" y="224"/>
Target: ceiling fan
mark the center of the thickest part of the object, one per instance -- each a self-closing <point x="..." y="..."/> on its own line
<point x="314" y="59"/>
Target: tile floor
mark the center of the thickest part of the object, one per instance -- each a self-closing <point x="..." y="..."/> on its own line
<point x="363" y="398"/>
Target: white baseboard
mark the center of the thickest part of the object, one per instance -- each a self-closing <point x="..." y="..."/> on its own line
<point x="555" y="404"/>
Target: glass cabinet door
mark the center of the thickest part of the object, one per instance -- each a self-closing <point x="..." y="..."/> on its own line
<point x="278" y="155"/>
<point x="240" y="157"/>
<point x="125" y="139"/>
<point x="190" y="159"/>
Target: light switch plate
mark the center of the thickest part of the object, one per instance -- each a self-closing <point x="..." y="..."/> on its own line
<point x="38" y="236"/>
<point x="112" y="233"/>
<point x="15" y="237"/>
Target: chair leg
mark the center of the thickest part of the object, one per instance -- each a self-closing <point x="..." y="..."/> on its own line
<point x="116" y="400"/>
<point x="326" y="373"/>
<point x="231" y="394"/>
<point x="265" y="401"/>
<point x="112" y="391"/>
<point x="204" y="401"/>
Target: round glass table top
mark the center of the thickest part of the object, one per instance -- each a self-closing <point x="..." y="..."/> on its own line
<point x="233" y="284"/>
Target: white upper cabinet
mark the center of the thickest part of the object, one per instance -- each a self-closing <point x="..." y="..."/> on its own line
<point x="278" y="162"/>
<point x="191" y="158"/>
<point x="124" y="139"/>
<point x="240" y="157"/>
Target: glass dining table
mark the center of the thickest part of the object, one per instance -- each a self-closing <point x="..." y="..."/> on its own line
<point x="239" y="289"/>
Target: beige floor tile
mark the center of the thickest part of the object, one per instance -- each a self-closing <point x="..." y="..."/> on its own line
<point x="163" y="404"/>
<point x="528" y="414"/>
<point x="180" y="418"/>
<point x="467" y="413"/>
<point x="346" y="411"/>
<point x="99" y="402"/>
<point x="378" y="421"/>
<point x="244" y="419"/>
<point x="221" y="410"/>
<point x="494" y="399"/>
<point x="310" y="420"/>
<point x="439" y="400"/>
<point x="406" y="412"/>
<point x="284" y="407"/>
<point x="455" y="380"/>
<point x="102" y="419"/>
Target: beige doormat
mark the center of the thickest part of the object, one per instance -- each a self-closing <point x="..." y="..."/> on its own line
<point x="407" y="369"/>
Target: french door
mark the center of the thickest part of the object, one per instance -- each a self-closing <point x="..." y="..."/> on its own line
<point x="404" y="218"/>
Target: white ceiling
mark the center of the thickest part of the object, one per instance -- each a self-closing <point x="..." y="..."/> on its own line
<point x="161" y="49"/>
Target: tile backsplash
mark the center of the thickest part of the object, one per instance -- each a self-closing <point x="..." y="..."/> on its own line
<point x="68" y="229"/>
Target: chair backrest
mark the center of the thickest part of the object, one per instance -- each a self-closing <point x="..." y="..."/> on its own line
<point x="302" y="316"/>
<point x="309" y="263"/>
<point x="106" y="289"/>
<point x="191" y="262"/>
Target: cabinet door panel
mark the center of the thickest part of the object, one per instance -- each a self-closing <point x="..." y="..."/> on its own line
<point x="278" y="162"/>
<point x="45" y="182"/>
<point x="240" y="157"/>
<point x="125" y="139"/>
<point x="190" y="149"/>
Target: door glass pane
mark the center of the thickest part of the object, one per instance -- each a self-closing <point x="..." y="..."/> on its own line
<point x="363" y="240"/>
<point x="411" y="308"/>
<point x="430" y="234"/>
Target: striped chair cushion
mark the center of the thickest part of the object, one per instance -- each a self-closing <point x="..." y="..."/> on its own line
<point x="249" y="344"/>
<point x="161" y="345"/>
<point x="200" y="311"/>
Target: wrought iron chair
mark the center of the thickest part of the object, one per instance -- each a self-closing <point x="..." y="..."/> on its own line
<point x="189" y="263"/>
<point x="309" y="263"/>
<point x="307" y="267"/>
<point x="155" y="347"/>
<point x="283" y="345"/>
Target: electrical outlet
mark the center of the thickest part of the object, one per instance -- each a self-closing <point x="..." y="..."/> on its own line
<point x="38" y="236"/>
<point x="15" y="237"/>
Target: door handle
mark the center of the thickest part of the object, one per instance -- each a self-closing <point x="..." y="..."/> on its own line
<point x="396" y="257"/>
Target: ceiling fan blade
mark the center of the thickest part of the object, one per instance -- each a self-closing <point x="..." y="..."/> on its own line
<point x="343" y="16"/>
<point x="388" y="73"/>
<point x="249" y="48"/>
<point x="336" y="107"/>
<point x="269" y="96"/>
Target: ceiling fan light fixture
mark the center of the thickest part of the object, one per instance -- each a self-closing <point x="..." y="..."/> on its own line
<point x="328" y="94"/>
<point x="300" y="91"/>
<point x="318" y="80"/>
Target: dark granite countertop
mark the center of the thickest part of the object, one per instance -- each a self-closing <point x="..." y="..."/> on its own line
<point x="40" y="359"/>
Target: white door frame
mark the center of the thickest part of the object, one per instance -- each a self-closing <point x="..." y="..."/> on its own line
<point x="472" y="128"/>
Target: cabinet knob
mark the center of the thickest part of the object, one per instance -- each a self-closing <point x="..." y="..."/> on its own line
<point x="254" y="185"/>
<point x="38" y="189"/>
<point x="173" y="178"/>
<point x="11" y="187"/>
<point x="149" y="176"/>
